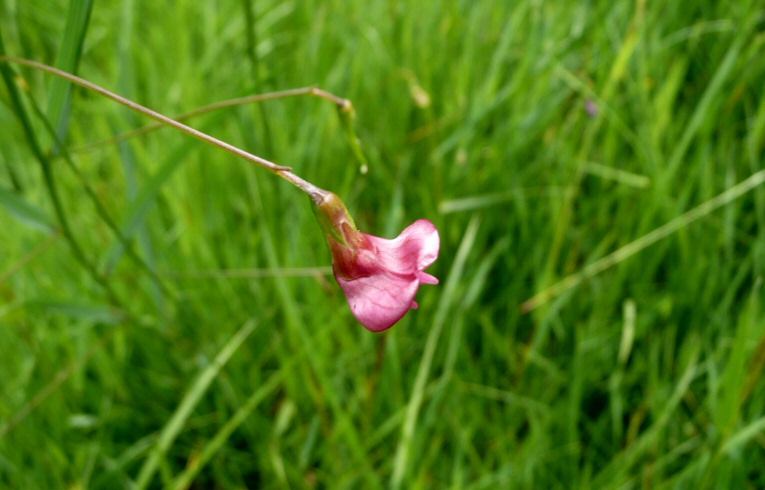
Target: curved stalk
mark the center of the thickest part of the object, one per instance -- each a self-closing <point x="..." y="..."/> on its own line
<point x="286" y="173"/>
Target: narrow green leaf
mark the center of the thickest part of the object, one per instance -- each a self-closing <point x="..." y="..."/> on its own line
<point x="449" y="296"/>
<point x="68" y="58"/>
<point x="24" y="211"/>
<point x="193" y="395"/>
<point x="744" y="435"/>
<point x="84" y="311"/>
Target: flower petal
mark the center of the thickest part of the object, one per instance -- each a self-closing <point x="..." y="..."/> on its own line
<point x="413" y="250"/>
<point x="380" y="277"/>
<point x="379" y="301"/>
<point x="429" y="241"/>
<point x="426" y="278"/>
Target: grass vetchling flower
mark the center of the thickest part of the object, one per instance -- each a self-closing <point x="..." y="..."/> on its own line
<point x="380" y="277"/>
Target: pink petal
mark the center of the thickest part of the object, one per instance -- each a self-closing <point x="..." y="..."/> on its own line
<point x="426" y="278"/>
<point x="429" y="241"/>
<point x="415" y="248"/>
<point x="381" y="279"/>
<point x="379" y="301"/>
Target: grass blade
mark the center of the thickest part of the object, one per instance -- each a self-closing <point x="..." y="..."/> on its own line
<point x="195" y="392"/>
<point x="402" y="459"/>
<point x="183" y="480"/>
<point x="25" y="211"/>
<point x="645" y="241"/>
<point x="68" y="59"/>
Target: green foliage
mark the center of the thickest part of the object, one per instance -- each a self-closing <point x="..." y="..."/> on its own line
<point x="595" y="170"/>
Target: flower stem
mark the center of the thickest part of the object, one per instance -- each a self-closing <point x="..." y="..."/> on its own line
<point x="146" y="111"/>
<point x="314" y="192"/>
<point x="281" y="94"/>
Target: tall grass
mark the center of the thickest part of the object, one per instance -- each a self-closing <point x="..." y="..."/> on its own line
<point x="595" y="170"/>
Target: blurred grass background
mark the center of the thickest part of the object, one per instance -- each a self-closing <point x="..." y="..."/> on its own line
<point x="167" y="318"/>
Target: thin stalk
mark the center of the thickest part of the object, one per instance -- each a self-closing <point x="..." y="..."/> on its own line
<point x="224" y="104"/>
<point x="314" y="192"/>
<point x="148" y="112"/>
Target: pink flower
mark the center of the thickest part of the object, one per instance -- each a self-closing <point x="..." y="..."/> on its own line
<point x="380" y="277"/>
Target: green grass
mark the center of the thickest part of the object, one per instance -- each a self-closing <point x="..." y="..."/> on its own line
<point x="168" y="318"/>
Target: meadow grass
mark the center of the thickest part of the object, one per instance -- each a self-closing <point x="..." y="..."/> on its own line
<point x="168" y="318"/>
